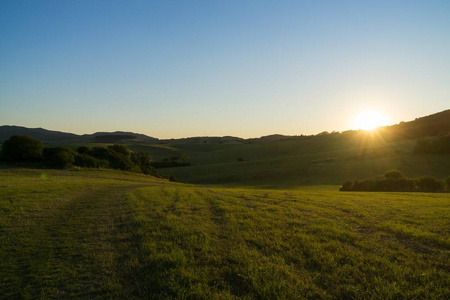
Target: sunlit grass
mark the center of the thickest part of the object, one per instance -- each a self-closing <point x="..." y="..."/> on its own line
<point x="211" y="243"/>
<point x="107" y="234"/>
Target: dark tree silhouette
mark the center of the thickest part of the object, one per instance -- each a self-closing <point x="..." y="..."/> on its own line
<point x="393" y="174"/>
<point x="22" y="148"/>
<point x="59" y="157"/>
<point x="82" y="149"/>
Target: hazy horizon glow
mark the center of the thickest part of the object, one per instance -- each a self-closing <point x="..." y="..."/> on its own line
<point x="369" y="120"/>
<point x="173" y="69"/>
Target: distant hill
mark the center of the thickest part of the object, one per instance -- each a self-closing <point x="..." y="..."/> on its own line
<point x="49" y="136"/>
<point x="118" y="136"/>
<point x="39" y="133"/>
<point x="432" y="125"/>
<point x="270" y="138"/>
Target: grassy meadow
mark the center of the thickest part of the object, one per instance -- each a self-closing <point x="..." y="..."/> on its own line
<point x="293" y="163"/>
<point x="111" y="234"/>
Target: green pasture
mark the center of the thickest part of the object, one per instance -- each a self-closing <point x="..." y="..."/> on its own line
<point x="110" y="234"/>
<point x="320" y="160"/>
<point x="298" y="162"/>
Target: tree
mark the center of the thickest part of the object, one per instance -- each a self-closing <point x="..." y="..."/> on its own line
<point x="428" y="184"/>
<point x="115" y="156"/>
<point x="82" y="149"/>
<point x="141" y="158"/>
<point x="347" y="186"/>
<point x="99" y="153"/>
<point x="59" y="157"/>
<point x="22" y="148"/>
<point x="86" y="161"/>
<point x="121" y="149"/>
<point x="393" y="174"/>
<point x="144" y="162"/>
<point x="447" y="183"/>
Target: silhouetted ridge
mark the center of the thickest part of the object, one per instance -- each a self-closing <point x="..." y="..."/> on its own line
<point x="432" y="125"/>
<point x="437" y="124"/>
<point x="42" y="134"/>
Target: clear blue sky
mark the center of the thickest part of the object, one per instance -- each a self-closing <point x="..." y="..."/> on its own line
<point x="242" y="68"/>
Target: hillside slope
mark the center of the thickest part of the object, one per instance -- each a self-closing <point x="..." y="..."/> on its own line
<point x="281" y="161"/>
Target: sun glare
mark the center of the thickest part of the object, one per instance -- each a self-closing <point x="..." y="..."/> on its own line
<point x="370" y="120"/>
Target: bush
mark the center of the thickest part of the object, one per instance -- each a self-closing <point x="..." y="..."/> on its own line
<point x="22" y="148"/>
<point x="120" y="149"/>
<point x="446" y="183"/>
<point x="82" y="149"/>
<point x="395" y="185"/>
<point x="58" y="157"/>
<point x="347" y="186"/>
<point x="122" y="163"/>
<point x="86" y="161"/>
<point x="99" y="153"/>
<point x="364" y="185"/>
<point x="141" y="158"/>
<point x="110" y="158"/>
<point x="120" y="157"/>
<point x="115" y="156"/>
<point x="144" y="162"/>
<point x="149" y="170"/>
<point x="428" y="184"/>
<point x="393" y="174"/>
<point x="395" y="181"/>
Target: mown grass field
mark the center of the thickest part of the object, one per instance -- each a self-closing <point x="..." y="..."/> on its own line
<point x="108" y="234"/>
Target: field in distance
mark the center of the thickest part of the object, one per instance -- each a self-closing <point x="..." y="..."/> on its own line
<point x="97" y="233"/>
<point x="321" y="160"/>
<point x="278" y="161"/>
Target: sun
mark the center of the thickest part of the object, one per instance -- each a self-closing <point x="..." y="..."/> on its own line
<point x="369" y="120"/>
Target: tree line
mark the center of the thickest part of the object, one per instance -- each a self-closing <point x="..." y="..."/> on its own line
<point x="395" y="181"/>
<point x="26" y="149"/>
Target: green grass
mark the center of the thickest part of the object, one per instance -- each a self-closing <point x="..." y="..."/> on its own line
<point x="328" y="160"/>
<point x="108" y="234"/>
<point x="58" y="231"/>
<point x="297" y="162"/>
<point x="224" y="243"/>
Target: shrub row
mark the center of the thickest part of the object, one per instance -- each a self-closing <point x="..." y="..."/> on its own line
<point x="24" y="149"/>
<point x="395" y="181"/>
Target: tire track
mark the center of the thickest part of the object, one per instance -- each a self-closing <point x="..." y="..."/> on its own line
<point x="76" y="247"/>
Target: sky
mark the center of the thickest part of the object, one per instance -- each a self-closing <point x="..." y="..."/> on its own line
<point x="173" y="69"/>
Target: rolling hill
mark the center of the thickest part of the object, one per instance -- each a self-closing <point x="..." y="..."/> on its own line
<point x="278" y="160"/>
<point x="432" y="125"/>
<point x="50" y="136"/>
